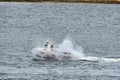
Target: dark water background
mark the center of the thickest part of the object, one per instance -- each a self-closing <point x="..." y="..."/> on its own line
<point x="23" y="26"/>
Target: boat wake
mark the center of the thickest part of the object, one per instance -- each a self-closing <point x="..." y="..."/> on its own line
<point x="100" y="59"/>
<point x="65" y="51"/>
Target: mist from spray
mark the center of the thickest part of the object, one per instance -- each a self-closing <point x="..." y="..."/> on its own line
<point x="67" y="46"/>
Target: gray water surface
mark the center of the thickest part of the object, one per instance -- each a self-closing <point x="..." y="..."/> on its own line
<point x="24" y="26"/>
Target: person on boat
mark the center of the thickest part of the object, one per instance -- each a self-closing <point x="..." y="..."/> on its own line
<point x="46" y="45"/>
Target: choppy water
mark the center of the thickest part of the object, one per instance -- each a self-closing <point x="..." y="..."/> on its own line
<point x="24" y="26"/>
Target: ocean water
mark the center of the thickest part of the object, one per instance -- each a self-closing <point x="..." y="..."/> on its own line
<point x="94" y="27"/>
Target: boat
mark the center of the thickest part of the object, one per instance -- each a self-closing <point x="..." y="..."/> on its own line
<point x="51" y="52"/>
